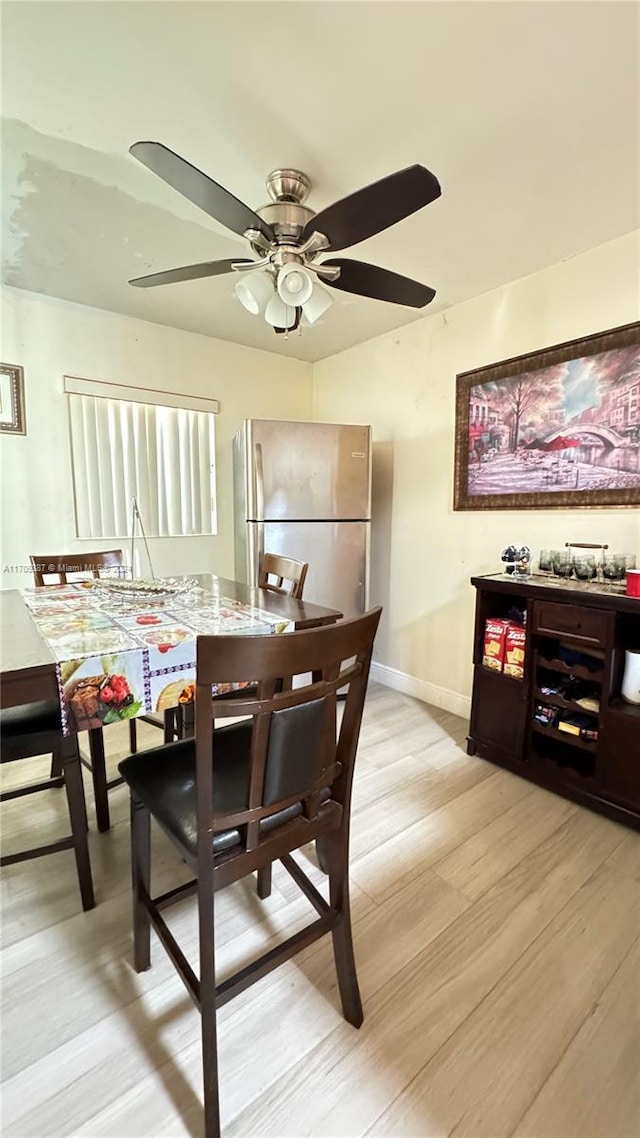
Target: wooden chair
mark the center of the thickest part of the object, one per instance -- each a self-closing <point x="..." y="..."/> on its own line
<point x="241" y="796"/>
<point x="35" y="729"/>
<point x="290" y="575"/>
<point x="61" y="566"/>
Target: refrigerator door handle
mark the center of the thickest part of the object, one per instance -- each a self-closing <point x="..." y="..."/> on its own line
<point x="258" y="481"/>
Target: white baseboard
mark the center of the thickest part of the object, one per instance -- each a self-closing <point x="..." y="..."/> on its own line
<point x="448" y="700"/>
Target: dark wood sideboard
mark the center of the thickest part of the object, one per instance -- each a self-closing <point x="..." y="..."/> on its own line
<point x="561" y="618"/>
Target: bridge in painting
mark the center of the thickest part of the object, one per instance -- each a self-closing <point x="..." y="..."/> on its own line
<point x="609" y="437"/>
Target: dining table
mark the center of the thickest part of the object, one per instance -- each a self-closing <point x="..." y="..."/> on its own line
<point x="110" y="653"/>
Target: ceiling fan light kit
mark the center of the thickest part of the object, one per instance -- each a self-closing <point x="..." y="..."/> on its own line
<point x="286" y="238"/>
<point x="278" y="297"/>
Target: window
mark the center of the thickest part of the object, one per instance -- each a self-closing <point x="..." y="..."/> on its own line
<point x="131" y="442"/>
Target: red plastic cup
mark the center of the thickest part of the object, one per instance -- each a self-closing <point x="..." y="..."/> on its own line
<point x="633" y="582"/>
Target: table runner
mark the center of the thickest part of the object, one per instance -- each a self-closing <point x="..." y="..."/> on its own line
<point x="119" y="659"/>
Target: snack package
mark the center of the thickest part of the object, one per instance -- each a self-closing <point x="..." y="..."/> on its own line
<point x="514" y="650"/>
<point x="569" y="726"/>
<point x="495" y="633"/>
<point x="580" y="725"/>
<point x="546" y="715"/>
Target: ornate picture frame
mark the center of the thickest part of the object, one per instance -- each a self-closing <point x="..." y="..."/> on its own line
<point x="12" y="418"/>
<point x="559" y="427"/>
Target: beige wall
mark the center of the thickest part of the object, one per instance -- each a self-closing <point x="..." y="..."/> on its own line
<point x="403" y="383"/>
<point x="50" y="338"/>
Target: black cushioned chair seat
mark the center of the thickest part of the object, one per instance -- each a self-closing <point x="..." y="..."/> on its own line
<point x="30" y="719"/>
<point x="164" y="779"/>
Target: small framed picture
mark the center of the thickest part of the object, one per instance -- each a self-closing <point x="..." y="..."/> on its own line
<point x="12" y="399"/>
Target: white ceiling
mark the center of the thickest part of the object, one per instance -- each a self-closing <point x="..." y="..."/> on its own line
<point x="527" y="112"/>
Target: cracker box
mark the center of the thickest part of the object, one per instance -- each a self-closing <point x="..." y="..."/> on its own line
<point x="514" y="650"/>
<point x="495" y="634"/>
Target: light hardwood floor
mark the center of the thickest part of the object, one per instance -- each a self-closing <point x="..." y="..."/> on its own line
<point x="498" y="946"/>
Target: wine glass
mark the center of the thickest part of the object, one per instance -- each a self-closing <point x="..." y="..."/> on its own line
<point x="615" y="565"/>
<point x="562" y="563"/>
<point x="585" y="566"/>
<point x="545" y="561"/>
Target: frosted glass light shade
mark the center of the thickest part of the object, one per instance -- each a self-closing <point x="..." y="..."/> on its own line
<point x="279" y="314"/>
<point x="295" y="284"/>
<point x="317" y="304"/>
<point x="254" y="291"/>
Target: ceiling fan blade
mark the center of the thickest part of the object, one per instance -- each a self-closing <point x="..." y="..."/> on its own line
<point x="375" y="207"/>
<point x="188" y="273"/>
<point x="199" y="188"/>
<point x="381" y="284"/>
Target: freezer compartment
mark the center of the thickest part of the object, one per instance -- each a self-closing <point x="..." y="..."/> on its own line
<point x="338" y="558"/>
<point x="290" y="471"/>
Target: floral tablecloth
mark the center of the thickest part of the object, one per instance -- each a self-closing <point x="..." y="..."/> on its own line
<point x="119" y="659"/>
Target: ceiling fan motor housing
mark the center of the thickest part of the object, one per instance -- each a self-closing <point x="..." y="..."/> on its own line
<point x="287" y="219"/>
<point x="285" y="212"/>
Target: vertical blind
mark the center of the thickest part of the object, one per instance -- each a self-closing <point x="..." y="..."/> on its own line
<point x="164" y="456"/>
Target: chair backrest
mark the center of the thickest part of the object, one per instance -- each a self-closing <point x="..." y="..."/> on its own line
<point x="61" y="564"/>
<point x="299" y="757"/>
<point x="290" y="575"/>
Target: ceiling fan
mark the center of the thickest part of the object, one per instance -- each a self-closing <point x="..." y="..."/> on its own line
<point x="286" y="238"/>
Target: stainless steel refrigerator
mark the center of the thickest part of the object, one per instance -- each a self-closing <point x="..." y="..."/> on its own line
<point x="304" y="490"/>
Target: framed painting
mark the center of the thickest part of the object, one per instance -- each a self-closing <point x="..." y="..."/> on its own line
<point x="12" y="399"/>
<point x="558" y="427"/>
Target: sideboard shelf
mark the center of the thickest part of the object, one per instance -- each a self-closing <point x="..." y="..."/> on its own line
<point x="580" y="623"/>
<point x="564" y="737"/>
<point x="563" y="669"/>
<point x="564" y="704"/>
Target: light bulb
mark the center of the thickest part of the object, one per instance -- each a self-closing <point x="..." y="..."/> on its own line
<point x="295" y="284"/>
